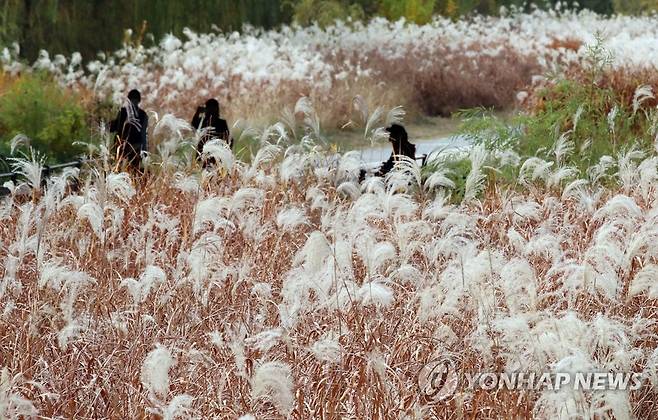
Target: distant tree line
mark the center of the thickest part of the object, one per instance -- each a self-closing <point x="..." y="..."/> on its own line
<point x="421" y="11"/>
<point x="89" y="26"/>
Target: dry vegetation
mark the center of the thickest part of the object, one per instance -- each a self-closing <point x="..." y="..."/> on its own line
<point x="283" y="288"/>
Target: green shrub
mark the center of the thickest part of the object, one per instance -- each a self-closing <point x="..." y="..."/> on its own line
<point x="634" y="7"/>
<point x="591" y="109"/>
<point x="325" y="12"/>
<point x="50" y="116"/>
<point x="418" y="11"/>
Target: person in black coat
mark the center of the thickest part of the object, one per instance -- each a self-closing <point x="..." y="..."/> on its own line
<point x="131" y="132"/>
<point x="208" y="117"/>
<point x="401" y="147"/>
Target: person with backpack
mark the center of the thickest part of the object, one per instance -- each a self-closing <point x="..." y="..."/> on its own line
<point x="131" y="132"/>
<point x="207" y="120"/>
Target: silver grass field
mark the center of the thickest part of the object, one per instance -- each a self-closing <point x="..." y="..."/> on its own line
<point x="278" y="286"/>
<point x="283" y="288"/>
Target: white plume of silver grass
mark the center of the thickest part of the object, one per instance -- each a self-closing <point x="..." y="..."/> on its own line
<point x="140" y="289"/>
<point x="439" y="179"/>
<point x="289" y="219"/>
<point x="405" y="174"/>
<point x="627" y="167"/>
<point x="611" y="119"/>
<point x="314" y="251"/>
<point x="53" y="275"/>
<point x="180" y="407"/>
<point x="203" y="260"/>
<point x="24" y="244"/>
<point x="265" y="340"/>
<point x="648" y="171"/>
<point x="439" y="208"/>
<point x="155" y="371"/>
<point x="588" y="201"/>
<point x="410" y="236"/>
<point x="349" y="166"/>
<point x="170" y="124"/>
<point x="369" y="130"/>
<point x="57" y="187"/>
<point x="571" y="188"/>
<point x="293" y="167"/>
<point x="563" y="147"/>
<point x="599" y="170"/>
<point x="585" y="145"/>
<point x="289" y="120"/>
<point x="397" y="205"/>
<point x="311" y="118"/>
<point x="556" y="178"/>
<point x="71" y="330"/>
<point x="378" y="135"/>
<point x="276" y="132"/>
<point x="13" y="405"/>
<point x="131" y="114"/>
<point x="642" y="93"/>
<point x="619" y="205"/>
<point x="31" y="169"/>
<point x="11" y="187"/>
<point x="273" y="381"/>
<point x="119" y="185"/>
<point x="611" y="403"/>
<point x="328" y="348"/>
<point x="576" y="117"/>
<point x="220" y="151"/>
<point x="94" y="214"/>
<point x="186" y="183"/>
<point x="210" y="211"/>
<point x="246" y="199"/>
<point x="520" y="285"/>
<point x="376" y="256"/>
<point x="349" y="189"/>
<point x="646" y="280"/>
<point x="534" y="168"/>
<point x="7" y="204"/>
<point x="19" y="140"/>
<point x="76" y="282"/>
<point x="361" y="106"/>
<point x="394" y="116"/>
<point x="475" y="179"/>
<point x="376" y="293"/>
<point x="317" y="198"/>
<point x="373" y="185"/>
<point x="526" y="211"/>
<point x="266" y="153"/>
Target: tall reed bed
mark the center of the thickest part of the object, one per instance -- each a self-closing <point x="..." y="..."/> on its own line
<point x="434" y="69"/>
<point x="284" y="288"/>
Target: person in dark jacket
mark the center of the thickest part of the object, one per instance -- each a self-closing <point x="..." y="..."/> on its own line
<point x="207" y="117"/>
<point x="131" y="132"/>
<point x="401" y="147"/>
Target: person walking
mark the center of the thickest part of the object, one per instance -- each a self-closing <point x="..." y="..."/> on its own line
<point x="131" y="132"/>
<point x="207" y="119"/>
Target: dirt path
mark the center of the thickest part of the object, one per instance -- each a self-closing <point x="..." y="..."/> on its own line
<point x="381" y="153"/>
<point x="425" y="128"/>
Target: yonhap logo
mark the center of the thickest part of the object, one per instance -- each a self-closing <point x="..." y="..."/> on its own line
<point x="438" y="380"/>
